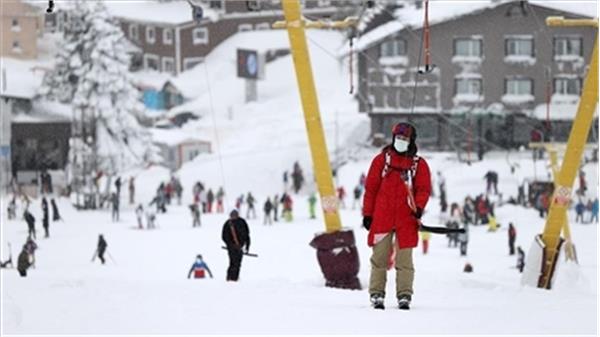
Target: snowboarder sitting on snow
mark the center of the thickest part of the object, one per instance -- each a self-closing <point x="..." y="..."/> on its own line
<point x="397" y="189"/>
<point x="199" y="267"/>
<point x="23" y="262"/>
<point x="236" y="236"/>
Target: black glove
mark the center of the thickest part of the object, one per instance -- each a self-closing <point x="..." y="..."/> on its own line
<point x="418" y="213"/>
<point x="367" y="222"/>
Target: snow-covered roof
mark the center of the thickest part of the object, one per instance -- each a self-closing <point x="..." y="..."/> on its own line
<point x="23" y="78"/>
<point x="443" y="10"/>
<point x="150" y="79"/>
<point x="173" y="12"/>
<point x="173" y="137"/>
<point x="562" y="107"/>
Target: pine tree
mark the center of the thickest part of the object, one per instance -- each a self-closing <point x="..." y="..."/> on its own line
<point x="92" y="74"/>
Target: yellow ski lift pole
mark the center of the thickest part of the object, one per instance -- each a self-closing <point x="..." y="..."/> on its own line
<point x="295" y="24"/>
<point x="575" y="145"/>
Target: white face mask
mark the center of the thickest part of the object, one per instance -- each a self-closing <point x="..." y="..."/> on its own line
<point x="400" y="145"/>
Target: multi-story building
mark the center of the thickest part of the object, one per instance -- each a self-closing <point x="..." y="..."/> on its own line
<point x="20" y="26"/>
<point x="171" y="41"/>
<point x="495" y="60"/>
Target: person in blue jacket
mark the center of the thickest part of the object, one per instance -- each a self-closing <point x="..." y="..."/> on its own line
<point x="199" y="268"/>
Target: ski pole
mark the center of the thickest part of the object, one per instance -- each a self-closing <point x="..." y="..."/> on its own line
<point x="94" y="256"/>
<point x="111" y="258"/>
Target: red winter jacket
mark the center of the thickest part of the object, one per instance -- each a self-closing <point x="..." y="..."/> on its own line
<point x="386" y="198"/>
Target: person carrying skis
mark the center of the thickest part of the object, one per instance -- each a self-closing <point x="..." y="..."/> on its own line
<point x="268" y="206"/>
<point x="512" y="237"/>
<point x="397" y="189"/>
<point x="45" y="218"/>
<point x="199" y="268"/>
<point x="101" y="248"/>
<point x="236" y="236"/>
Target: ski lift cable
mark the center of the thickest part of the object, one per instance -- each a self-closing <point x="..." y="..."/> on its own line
<point x="216" y="131"/>
<point x="410" y="31"/>
<point x="414" y="93"/>
<point x="434" y="119"/>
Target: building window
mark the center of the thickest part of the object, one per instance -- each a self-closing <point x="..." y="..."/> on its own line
<point x="16" y="47"/>
<point x="151" y="62"/>
<point x="263" y="26"/>
<point x="467" y="86"/>
<point x="150" y="35"/>
<point x="244" y="27"/>
<point x="15" y="27"/>
<point x="190" y="62"/>
<point x="567" y="85"/>
<point x="216" y="4"/>
<point x="167" y="36"/>
<point x="467" y="47"/>
<point x="519" y="46"/>
<point x="168" y="65"/>
<point x="133" y="32"/>
<point x="200" y="35"/>
<point x="518" y="86"/>
<point x="568" y="46"/>
<point x="392" y="48"/>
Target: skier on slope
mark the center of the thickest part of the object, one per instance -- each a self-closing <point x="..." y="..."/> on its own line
<point x="101" y="248"/>
<point x="397" y="189"/>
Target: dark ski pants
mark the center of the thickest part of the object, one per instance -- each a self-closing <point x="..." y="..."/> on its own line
<point x="235" y="262"/>
<point x="101" y="256"/>
<point x="463" y="248"/>
<point x="31" y="232"/>
<point x="511" y="247"/>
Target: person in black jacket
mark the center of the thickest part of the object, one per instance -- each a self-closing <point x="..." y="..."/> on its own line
<point x="55" y="213"/>
<point x="30" y="219"/>
<point x="45" y="217"/>
<point x="101" y="248"/>
<point x="236" y="236"/>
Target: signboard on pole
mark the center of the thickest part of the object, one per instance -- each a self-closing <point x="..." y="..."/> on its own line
<point x="250" y="64"/>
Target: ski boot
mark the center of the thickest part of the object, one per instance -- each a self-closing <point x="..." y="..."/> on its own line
<point x="377" y="301"/>
<point x="404" y="302"/>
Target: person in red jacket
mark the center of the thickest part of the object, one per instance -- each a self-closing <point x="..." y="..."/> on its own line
<point x="397" y="189"/>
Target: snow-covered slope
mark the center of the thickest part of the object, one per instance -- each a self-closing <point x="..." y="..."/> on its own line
<point x="143" y="287"/>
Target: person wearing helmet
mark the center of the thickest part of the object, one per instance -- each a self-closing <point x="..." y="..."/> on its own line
<point x="397" y="189"/>
<point x="199" y="268"/>
<point x="236" y="236"/>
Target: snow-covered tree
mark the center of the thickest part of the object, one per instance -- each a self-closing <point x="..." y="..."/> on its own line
<point x="92" y="74"/>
